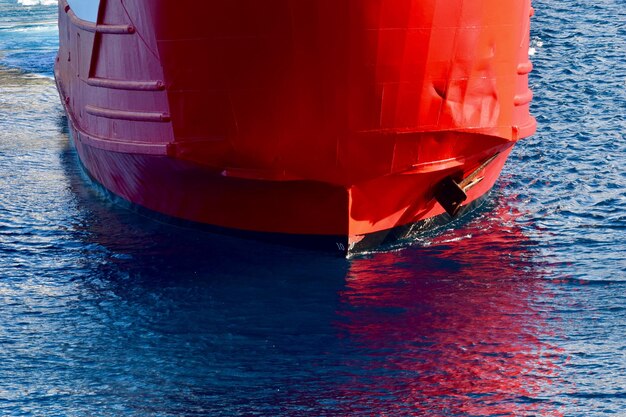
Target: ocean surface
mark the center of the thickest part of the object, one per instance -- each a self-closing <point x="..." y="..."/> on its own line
<point x="516" y="310"/>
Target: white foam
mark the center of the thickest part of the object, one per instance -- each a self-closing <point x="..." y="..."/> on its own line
<point x="46" y="27"/>
<point x="535" y="45"/>
<point x="37" y="2"/>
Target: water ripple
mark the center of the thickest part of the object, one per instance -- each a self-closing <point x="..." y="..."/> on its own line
<point x="518" y="309"/>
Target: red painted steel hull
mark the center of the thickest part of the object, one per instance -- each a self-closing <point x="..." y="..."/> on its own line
<point x="319" y="118"/>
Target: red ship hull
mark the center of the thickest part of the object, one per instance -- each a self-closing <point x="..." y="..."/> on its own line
<point x="332" y="121"/>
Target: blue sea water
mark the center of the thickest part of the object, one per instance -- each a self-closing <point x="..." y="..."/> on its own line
<point x="516" y="310"/>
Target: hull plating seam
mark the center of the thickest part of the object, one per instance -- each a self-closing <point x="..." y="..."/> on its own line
<point x="108" y="144"/>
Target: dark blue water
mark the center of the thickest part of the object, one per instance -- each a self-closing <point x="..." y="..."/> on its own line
<point x="517" y="310"/>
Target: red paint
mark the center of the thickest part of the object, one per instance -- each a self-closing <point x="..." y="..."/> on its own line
<point x="295" y="116"/>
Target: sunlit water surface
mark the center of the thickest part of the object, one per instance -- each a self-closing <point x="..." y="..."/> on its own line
<point x="516" y="310"/>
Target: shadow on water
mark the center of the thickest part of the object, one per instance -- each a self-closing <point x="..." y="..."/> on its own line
<point x="192" y="323"/>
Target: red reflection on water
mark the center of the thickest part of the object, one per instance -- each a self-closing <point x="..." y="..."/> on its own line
<point x="454" y="328"/>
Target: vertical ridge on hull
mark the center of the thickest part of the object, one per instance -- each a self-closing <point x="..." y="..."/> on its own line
<point x="299" y="117"/>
